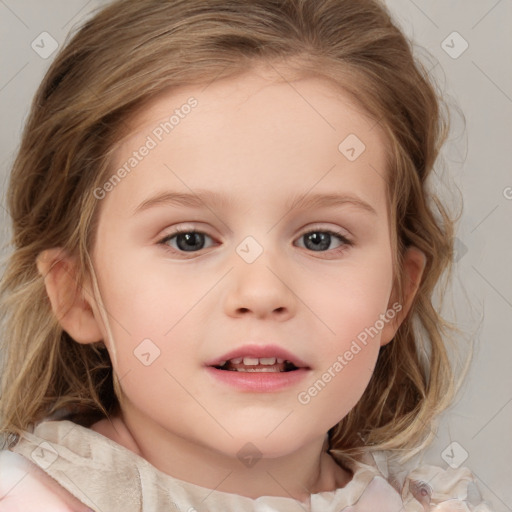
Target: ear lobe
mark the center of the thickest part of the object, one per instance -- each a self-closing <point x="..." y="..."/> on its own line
<point x="414" y="266"/>
<point x="69" y="303"/>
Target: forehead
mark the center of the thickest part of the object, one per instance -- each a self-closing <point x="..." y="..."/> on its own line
<point x="301" y="93"/>
<point x="250" y="130"/>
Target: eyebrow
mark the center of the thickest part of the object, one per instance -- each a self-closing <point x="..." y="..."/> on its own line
<point x="208" y="198"/>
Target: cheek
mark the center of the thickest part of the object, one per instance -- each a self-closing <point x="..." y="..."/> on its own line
<point x="351" y="314"/>
<point x="151" y="322"/>
<point x="148" y="310"/>
<point x="334" y="393"/>
<point x="149" y="300"/>
<point x="343" y="375"/>
<point x="350" y="300"/>
<point x="153" y="330"/>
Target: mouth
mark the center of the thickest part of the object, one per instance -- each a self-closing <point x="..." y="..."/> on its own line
<point x="253" y="358"/>
<point x="255" y="364"/>
<point x="256" y="368"/>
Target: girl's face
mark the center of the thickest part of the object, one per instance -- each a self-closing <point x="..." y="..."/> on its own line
<point x="284" y="185"/>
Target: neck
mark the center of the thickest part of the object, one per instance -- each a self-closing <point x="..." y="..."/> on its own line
<point x="297" y="475"/>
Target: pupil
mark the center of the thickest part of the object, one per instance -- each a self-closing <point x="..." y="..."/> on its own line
<point x="191" y="241"/>
<point x="319" y="240"/>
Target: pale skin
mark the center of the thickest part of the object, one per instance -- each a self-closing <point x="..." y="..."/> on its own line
<point x="256" y="140"/>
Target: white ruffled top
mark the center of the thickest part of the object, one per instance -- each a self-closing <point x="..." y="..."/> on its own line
<point x="97" y="474"/>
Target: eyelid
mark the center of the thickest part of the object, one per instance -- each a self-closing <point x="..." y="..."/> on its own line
<point x="346" y="240"/>
<point x="191" y="229"/>
<point x="334" y="231"/>
<point x="179" y="230"/>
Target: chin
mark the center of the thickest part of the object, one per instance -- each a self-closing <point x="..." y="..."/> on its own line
<point x="257" y="443"/>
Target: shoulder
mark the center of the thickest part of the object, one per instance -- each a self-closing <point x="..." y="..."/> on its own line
<point x="26" y="488"/>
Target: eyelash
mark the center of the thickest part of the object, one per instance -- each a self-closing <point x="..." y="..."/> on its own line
<point x="346" y="243"/>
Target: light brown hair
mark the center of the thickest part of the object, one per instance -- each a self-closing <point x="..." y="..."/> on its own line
<point x="130" y="52"/>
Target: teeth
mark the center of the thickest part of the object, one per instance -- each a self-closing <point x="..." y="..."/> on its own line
<point x="254" y="361"/>
<point x="251" y="361"/>
<point x="257" y="370"/>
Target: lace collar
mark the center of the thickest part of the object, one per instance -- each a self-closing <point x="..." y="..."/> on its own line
<point x="106" y="476"/>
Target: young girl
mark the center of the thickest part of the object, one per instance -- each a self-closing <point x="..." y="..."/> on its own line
<point x="225" y="250"/>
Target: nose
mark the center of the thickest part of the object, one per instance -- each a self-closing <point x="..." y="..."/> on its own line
<point x="261" y="291"/>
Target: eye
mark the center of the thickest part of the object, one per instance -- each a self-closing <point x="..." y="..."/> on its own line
<point x="320" y="240"/>
<point x="183" y="241"/>
<point x="186" y="240"/>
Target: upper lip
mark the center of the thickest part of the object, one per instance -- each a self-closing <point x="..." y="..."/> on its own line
<point x="259" y="351"/>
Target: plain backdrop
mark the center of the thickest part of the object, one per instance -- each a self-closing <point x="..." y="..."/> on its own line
<point x="466" y="44"/>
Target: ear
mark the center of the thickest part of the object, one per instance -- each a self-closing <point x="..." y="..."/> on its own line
<point x="414" y="265"/>
<point x="70" y="303"/>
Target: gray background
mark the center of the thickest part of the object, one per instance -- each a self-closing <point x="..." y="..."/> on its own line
<point x="477" y="162"/>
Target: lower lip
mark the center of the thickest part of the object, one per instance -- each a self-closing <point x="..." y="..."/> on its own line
<point x="258" y="382"/>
